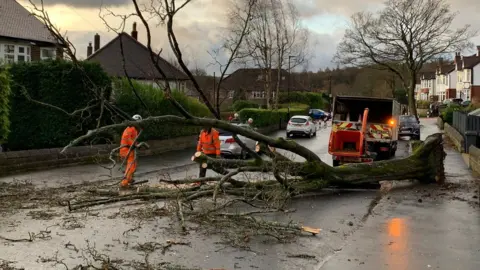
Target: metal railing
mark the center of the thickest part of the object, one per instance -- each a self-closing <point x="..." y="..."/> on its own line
<point x="468" y="126"/>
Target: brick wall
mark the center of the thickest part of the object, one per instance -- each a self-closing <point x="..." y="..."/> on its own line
<point x="451" y="93"/>
<point x="440" y="123"/>
<point x="28" y="160"/>
<point x="35" y="53"/>
<point x="455" y="137"/>
<point x="475" y="94"/>
<point x="474" y="159"/>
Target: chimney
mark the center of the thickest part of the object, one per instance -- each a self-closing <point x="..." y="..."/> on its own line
<point x="134" y="31"/>
<point x="89" y="49"/>
<point x="478" y="50"/>
<point x="96" y="42"/>
<point x="458" y="63"/>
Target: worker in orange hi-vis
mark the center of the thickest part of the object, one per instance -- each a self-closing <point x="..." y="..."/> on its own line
<point x="208" y="144"/>
<point x="129" y="138"/>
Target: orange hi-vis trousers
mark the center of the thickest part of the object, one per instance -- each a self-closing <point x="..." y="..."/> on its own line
<point x="131" y="167"/>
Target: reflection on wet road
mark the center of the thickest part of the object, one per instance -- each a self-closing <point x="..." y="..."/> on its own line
<point x="396" y="251"/>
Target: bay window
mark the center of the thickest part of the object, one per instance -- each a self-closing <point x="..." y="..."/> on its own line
<point x="10" y="53"/>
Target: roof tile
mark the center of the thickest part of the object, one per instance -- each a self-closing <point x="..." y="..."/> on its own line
<point x="17" y="22"/>
<point x="138" y="62"/>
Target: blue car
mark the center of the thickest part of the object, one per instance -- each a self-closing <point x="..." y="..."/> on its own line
<point x="316" y="114"/>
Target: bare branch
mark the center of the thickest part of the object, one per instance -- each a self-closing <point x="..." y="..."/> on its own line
<point x="402" y="38"/>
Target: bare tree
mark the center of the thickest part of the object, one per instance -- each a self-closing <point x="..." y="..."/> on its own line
<point x="275" y="34"/>
<point x="291" y="40"/>
<point x="240" y="15"/>
<point x="402" y="38"/>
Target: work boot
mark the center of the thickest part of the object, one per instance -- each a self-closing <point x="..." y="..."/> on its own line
<point x="124" y="183"/>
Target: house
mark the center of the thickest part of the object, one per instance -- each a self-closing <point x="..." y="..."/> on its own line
<point x="446" y="79"/>
<point x="427" y="85"/>
<point x="417" y="91"/>
<point x="23" y="37"/>
<point x="252" y="82"/>
<point x="208" y="85"/>
<point x="136" y="61"/>
<point x="468" y="76"/>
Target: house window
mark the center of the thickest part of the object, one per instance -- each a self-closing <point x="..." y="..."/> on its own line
<point x="258" y="94"/>
<point x="14" y="53"/>
<point x="230" y="94"/>
<point x="283" y="78"/>
<point x="48" y="53"/>
<point x="467" y="75"/>
<point x="9" y="53"/>
<point x="23" y="54"/>
<point x="260" y="77"/>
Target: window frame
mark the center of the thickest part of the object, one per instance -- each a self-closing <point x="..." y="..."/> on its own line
<point x="52" y="49"/>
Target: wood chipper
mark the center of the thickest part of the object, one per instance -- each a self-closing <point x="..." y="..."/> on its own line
<point x="347" y="142"/>
<point x="356" y="139"/>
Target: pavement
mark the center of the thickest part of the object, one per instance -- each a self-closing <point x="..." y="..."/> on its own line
<point x="410" y="227"/>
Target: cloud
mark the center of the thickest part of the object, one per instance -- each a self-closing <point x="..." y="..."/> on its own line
<point x="199" y="26"/>
<point x="84" y="3"/>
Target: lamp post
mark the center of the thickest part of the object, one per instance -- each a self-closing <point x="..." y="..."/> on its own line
<point x="288" y="88"/>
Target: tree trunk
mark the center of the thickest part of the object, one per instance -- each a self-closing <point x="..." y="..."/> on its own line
<point x="424" y="165"/>
<point x="411" y="95"/>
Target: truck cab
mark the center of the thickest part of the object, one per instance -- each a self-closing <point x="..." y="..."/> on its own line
<point x="369" y="122"/>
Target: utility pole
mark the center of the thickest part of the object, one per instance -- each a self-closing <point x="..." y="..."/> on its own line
<point x="288" y="89"/>
<point x="330" y="91"/>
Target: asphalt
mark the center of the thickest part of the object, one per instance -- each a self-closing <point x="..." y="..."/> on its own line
<point x="411" y="227"/>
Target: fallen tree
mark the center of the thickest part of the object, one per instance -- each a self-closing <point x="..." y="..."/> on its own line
<point x="292" y="178"/>
<point x="425" y="165"/>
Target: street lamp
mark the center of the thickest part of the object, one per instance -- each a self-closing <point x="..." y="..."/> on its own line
<point x="288" y="88"/>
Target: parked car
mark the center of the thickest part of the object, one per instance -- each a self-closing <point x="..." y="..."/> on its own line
<point x="409" y="126"/>
<point x="230" y="148"/>
<point x="453" y="100"/>
<point x="301" y="125"/>
<point x="316" y="114"/>
<point x="466" y="103"/>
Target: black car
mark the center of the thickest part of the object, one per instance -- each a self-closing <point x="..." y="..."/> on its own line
<point x="409" y="126"/>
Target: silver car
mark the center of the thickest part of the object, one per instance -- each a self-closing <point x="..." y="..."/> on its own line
<point x="301" y="125"/>
<point x="230" y="148"/>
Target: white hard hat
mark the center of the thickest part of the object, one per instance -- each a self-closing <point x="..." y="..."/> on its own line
<point x="137" y="117"/>
<point x="235" y="115"/>
<point x="250" y="120"/>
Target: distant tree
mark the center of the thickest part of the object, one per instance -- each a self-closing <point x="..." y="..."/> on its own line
<point x="402" y="37"/>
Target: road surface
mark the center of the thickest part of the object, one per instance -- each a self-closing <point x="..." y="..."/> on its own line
<point x="415" y="227"/>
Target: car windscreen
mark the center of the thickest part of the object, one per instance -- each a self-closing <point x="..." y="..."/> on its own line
<point x="298" y="120"/>
<point x="222" y="132"/>
<point x="409" y="120"/>
<point x="225" y="133"/>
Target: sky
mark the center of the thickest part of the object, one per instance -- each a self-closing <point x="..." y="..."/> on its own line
<point x="200" y="25"/>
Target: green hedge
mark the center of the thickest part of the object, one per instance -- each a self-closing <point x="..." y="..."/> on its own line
<point x="423" y="104"/>
<point x="4" y="105"/>
<point x="314" y="100"/>
<point x="156" y="103"/>
<point x="447" y="114"/>
<point x="244" y="104"/>
<point x="58" y="83"/>
<point x="265" y="118"/>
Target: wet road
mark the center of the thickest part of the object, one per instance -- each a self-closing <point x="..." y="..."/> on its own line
<point x="440" y="232"/>
<point x="172" y="165"/>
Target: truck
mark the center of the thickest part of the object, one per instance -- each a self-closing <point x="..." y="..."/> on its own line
<point x="364" y="129"/>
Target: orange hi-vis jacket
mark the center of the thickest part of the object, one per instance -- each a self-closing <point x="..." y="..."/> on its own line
<point x="209" y="143"/>
<point x="128" y="137"/>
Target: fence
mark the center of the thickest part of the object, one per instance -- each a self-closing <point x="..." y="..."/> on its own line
<point x="469" y="127"/>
